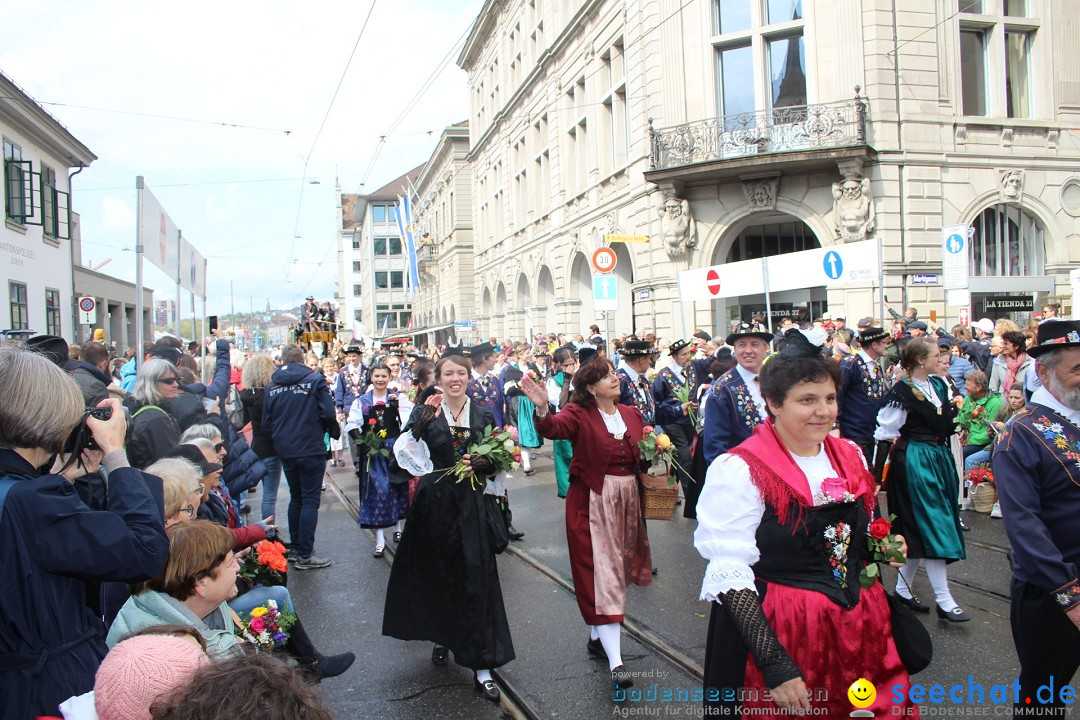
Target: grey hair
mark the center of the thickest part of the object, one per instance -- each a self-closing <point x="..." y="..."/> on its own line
<point x="978" y="377"/>
<point x="1051" y="359"/>
<point x="150" y="372"/>
<point x="258" y="371"/>
<point x="42" y="404"/>
<point x="201" y="443"/>
<point x="179" y="477"/>
<point x="206" y="431"/>
<point x="292" y="354"/>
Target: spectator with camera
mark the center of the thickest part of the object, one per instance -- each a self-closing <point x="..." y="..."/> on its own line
<point x="50" y="642"/>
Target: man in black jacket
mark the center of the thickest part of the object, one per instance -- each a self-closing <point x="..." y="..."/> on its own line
<point x="90" y="372"/>
<point x="977" y="350"/>
<point x="298" y="411"/>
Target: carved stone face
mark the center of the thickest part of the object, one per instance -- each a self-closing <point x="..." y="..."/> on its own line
<point x="1011" y="184"/>
<point x="674" y="208"/>
<point x="851" y="189"/>
<point x="759" y="195"/>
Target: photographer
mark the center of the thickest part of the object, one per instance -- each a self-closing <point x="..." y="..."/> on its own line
<point x="50" y="642"/>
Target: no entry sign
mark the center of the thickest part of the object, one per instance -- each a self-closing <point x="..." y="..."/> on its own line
<point x="712" y="282"/>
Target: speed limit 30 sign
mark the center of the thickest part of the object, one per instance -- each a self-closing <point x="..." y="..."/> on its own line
<point x="603" y="260"/>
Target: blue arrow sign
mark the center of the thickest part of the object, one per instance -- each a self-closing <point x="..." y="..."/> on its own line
<point x="605" y="292"/>
<point x="955" y="243"/>
<point x="834" y="266"/>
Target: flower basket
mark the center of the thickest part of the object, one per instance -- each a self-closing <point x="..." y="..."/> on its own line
<point x="983" y="497"/>
<point x="658" y="497"/>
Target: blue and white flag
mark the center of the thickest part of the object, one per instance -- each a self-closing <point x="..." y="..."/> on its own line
<point x="404" y="218"/>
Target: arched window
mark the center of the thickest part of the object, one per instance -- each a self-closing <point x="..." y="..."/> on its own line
<point x="1007" y="242"/>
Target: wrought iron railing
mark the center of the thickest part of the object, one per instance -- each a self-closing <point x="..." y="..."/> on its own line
<point x="788" y="129"/>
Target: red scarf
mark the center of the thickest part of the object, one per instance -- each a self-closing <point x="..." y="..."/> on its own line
<point x="1012" y="365"/>
<point x="780" y="480"/>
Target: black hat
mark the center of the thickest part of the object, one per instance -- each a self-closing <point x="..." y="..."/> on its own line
<point x="310" y="297"/>
<point x="797" y="346"/>
<point x="165" y="352"/>
<point x="586" y="354"/>
<point x="195" y="456"/>
<point x="703" y="335"/>
<point x="52" y="347"/>
<point x="193" y="346"/>
<point x="353" y="349"/>
<point x="634" y="348"/>
<point x="676" y="346"/>
<point x="871" y="335"/>
<point x="478" y="351"/>
<point x="746" y="330"/>
<point x="1054" y="335"/>
<point x="917" y="325"/>
<point x="452" y="350"/>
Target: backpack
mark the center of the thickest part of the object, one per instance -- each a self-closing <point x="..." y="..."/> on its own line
<point x="234" y="408"/>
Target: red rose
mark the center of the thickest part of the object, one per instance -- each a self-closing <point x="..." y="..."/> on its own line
<point x="880" y="528"/>
<point x="372" y="421"/>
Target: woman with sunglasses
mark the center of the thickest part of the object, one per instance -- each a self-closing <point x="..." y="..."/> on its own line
<point x="154" y="432"/>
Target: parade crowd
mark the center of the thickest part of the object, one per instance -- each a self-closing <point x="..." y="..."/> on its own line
<point x="145" y="581"/>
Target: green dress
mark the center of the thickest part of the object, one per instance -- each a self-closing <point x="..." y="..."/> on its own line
<point x="563" y="450"/>
<point x="922" y="485"/>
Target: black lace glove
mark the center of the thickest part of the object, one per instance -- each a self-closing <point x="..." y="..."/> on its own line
<point x="427" y="414"/>
<point x="744" y="609"/>
<point x="881" y="455"/>
<point x="482" y="466"/>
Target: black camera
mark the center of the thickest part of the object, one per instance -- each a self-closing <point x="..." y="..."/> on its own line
<point x="82" y="438"/>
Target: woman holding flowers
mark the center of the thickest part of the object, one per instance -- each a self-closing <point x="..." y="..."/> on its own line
<point x="605" y="534"/>
<point x="918" y="421"/>
<point x="444" y="583"/>
<point x="784" y="521"/>
<point x="374" y="425"/>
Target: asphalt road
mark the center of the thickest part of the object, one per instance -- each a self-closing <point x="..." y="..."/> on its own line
<point x="553" y="677"/>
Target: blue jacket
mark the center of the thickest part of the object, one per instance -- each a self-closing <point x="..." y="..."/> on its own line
<point x="298" y="410"/>
<point x="859" y="399"/>
<point x="127" y="376"/>
<point x="52" y="545"/>
<point x="730" y="415"/>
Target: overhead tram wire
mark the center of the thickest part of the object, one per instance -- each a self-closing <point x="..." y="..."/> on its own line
<point x="318" y="134"/>
<point x="411" y="105"/>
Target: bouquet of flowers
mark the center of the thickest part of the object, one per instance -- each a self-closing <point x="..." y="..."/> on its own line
<point x="266" y="565"/>
<point x="682" y="393"/>
<point x="266" y="627"/>
<point x="657" y="450"/>
<point x="979" y="474"/>
<point x="883" y="546"/>
<point x="499" y="446"/>
<point x="371" y="440"/>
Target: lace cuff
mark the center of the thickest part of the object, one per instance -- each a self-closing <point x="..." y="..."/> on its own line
<point x="413" y="455"/>
<point x="497" y="485"/>
<point x="355" y="420"/>
<point x="724" y="575"/>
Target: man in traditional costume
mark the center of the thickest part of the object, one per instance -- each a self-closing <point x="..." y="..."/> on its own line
<point x="735" y="406"/>
<point x="862" y="391"/>
<point x="485" y="390"/>
<point x="1037" y="471"/>
<point x="634" y="387"/>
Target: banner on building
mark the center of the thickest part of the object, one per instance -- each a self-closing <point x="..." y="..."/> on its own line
<point x="404" y="219"/>
<point x="192" y="274"/>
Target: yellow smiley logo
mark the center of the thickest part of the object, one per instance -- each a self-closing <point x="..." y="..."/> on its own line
<point x="862" y="693"/>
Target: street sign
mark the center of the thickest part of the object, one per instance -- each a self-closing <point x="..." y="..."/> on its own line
<point x="954" y="255"/>
<point x="603" y="260"/>
<point x="833" y="265"/>
<point x="964" y="316"/>
<point x="644" y="294"/>
<point x="87" y="311"/>
<point x="926" y="279"/>
<point x="463" y="325"/>
<point x="712" y="282"/>
<point x="605" y="291"/>
<point x="626" y="238"/>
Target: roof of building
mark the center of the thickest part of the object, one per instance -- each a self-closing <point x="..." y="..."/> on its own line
<point x="396" y="186"/>
<point x="81" y="155"/>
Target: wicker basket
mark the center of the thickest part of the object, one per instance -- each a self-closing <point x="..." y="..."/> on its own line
<point x="983" y="497"/>
<point x="658" y="497"/>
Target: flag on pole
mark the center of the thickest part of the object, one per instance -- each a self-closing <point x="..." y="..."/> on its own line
<point x="405" y="226"/>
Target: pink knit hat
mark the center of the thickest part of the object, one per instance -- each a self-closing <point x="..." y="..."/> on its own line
<point x="139" y="670"/>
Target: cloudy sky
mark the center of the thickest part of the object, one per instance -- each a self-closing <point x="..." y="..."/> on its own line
<point x="238" y="193"/>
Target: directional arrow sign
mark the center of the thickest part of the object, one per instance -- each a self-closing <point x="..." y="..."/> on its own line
<point x="605" y="292"/>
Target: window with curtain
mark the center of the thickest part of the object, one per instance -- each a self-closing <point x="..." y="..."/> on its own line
<point x="1007" y="242"/>
<point x="990" y="31"/>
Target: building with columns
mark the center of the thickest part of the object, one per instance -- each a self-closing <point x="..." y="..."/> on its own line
<point x="731" y="130"/>
<point x="443" y="229"/>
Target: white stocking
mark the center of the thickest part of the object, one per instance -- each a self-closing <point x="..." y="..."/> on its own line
<point x="380" y="538"/>
<point x="611" y="639"/>
<point x="526" y="459"/>
<point x="906" y="578"/>
<point x="483" y="675"/>
<point x="935" y="570"/>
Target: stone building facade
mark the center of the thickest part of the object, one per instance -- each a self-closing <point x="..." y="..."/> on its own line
<point x="728" y="130"/>
<point x="445" y="305"/>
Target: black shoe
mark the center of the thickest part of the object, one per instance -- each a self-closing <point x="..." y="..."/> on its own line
<point x="596" y="648"/>
<point x="328" y="666"/>
<point x="656" y="571"/>
<point x="913" y="602"/>
<point x="530" y="471"/>
<point x="964" y="526"/>
<point x="245" y="509"/>
<point x="956" y="615"/>
<point x="291" y="555"/>
<point x="620" y="678"/>
<point x="397" y="537"/>
<point x="439" y="656"/>
<point x="487" y="689"/>
<point x="514" y="534"/>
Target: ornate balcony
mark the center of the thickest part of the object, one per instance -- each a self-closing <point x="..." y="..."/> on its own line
<point x="802" y="136"/>
<point x="427" y="258"/>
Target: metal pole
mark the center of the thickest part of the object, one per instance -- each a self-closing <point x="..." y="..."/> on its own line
<point x="881" y="279"/>
<point x="607" y="336"/>
<point x="768" y="300"/>
<point x="138" y="272"/>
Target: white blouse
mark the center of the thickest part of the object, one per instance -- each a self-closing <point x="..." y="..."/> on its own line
<point x="891" y="418"/>
<point x="614" y="423"/>
<point x="729" y="512"/>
